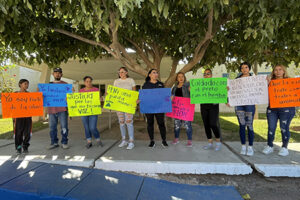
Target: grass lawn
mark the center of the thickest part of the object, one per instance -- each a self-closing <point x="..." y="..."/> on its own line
<point x="230" y="125"/>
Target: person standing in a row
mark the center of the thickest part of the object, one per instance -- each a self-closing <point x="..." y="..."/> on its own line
<point x="152" y="82"/>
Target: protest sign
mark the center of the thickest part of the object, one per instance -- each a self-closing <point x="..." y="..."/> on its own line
<point x="208" y="90"/>
<point x="84" y="104"/>
<point x="155" y="100"/>
<point x="120" y="99"/>
<point x="284" y="93"/>
<point x="55" y="94"/>
<point x="22" y="104"/>
<point x="182" y="109"/>
<point x="250" y="90"/>
<point x="6" y="125"/>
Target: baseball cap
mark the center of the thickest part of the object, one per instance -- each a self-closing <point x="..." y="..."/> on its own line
<point x="57" y="69"/>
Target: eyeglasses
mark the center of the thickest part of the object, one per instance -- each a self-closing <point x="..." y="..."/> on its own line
<point x="206" y="74"/>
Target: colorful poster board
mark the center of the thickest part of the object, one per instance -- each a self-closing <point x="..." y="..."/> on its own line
<point x="208" y="90"/>
<point x="182" y="109"/>
<point x="25" y="104"/>
<point x="84" y="104"/>
<point x="120" y="99"/>
<point x="6" y="125"/>
<point x="55" y="95"/>
<point x="155" y="100"/>
<point x="284" y="93"/>
<point x="252" y="90"/>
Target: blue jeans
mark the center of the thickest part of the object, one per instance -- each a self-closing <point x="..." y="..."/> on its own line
<point x="90" y="126"/>
<point x="187" y="125"/>
<point x="53" y="121"/>
<point x="285" y="116"/>
<point x="245" y="115"/>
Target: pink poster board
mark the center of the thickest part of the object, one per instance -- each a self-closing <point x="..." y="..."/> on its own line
<point x="182" y="109"/>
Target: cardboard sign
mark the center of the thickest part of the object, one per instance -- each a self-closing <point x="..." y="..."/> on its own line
<point x="284" y="93"/>
<point x="182" y="109"/>
<point x="155" y="100"/>
<point x="6" y="125"/>
<point x="120" y="99"/>
<point x="55" y="94"/>
<point x="25" y="104"/>
<point x="84" y="104"/>
<point x="250" y="90"/>
<point x="208" y="90"/>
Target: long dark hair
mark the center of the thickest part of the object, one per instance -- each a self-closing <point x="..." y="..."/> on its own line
<point x="125" y="69"/>
<point x="177" y="82"/>
<point x="147" y="79"/>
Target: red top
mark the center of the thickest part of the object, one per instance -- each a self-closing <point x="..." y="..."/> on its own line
<point x="93" y="89"/>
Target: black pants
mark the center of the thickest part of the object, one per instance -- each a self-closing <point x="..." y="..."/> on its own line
<point x="160" y="118"/>
<point x="23" y="128"/>
<point x="210" y="117"/>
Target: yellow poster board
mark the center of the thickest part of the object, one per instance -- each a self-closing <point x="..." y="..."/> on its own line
<point x="120" y="99"/>
<point x="84" y="104"/>
<point x="6" y="125"/>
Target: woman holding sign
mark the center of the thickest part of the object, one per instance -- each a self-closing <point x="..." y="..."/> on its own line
<point x="125" y="119"/>
<point x="90" y="122"/>
<point x="284" y="115"/>
<point x="181" y="89"/>
<point x="22" y="126"/>
<point x="245" y="115"/>
<point x="152" y="82"/>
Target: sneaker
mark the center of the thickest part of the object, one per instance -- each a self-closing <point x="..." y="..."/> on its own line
<point x="53" y="146"/>
<point x="189" y="143"/>
<point x="267" y="150"/>
<point x="243" y="150"/>
<point x="130" y="145"/>
<point x="164" y="144"/>
<point x="65" y="146"/>
<point x="123" y="143"/>
<point x="218" y="146"/>
<point x="88" y="145"/>
<point x="208" y="146"/>
<point x="175" y="141"/>
<point x="250" y="151"/>
<point x="19" y="149"/>
<point x="152" y="144"/>
<point x="25" y="149"/>
<point x="283" y="152"/>
<point x="99" y="143"/>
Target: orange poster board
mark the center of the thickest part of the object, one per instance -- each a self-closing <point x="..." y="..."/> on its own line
<point x="25" y="104"/>
<point x="284" y="93"/>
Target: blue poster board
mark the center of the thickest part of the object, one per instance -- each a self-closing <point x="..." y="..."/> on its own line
<point x="155" y="100"/>
<point x="55" y="94"/>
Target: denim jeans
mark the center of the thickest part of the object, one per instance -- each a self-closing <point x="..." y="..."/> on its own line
<point x="90" y="126"/>
<point x="285" y="116"/>
<point x="245" y="115"/>
<point x="126" y="119"/>
<point x="187" y="125"/>
<point x="53" y="121"/>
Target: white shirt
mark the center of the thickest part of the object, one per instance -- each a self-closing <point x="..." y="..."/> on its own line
<point x="127" y="83"/>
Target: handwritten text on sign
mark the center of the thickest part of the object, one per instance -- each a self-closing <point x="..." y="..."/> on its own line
<point x="84" y="103"/>
<point x="284" y="93"/>
<point x="120" y="99"/>
<point x="25" y="104"/>
<point x="208" y="90"/>
<point x="156" y="100"/>
<point x="250" y="90"/>
<point x="55" y="94"/>
<point x="182" y="109"/>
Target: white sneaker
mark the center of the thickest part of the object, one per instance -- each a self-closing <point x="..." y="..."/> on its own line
<point x="283" y="152"/>
<point x="243" y="150"/>
<point x="267" y="150"/>
<point x="250" y="151"/>
<point x="130" y="145"/>
<point x="123" y="143"/>
<point x="65" y="146"/>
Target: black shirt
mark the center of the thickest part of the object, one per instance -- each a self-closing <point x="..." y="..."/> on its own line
<point x="178" y="92"/>
<point x="149" y="85"/>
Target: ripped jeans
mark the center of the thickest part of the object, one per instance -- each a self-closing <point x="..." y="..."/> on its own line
<point x="245" y="115"/>
<point x="285" y="116"/>
<point x="126" y="119"/>
<point x="53" y="121"/>
<point x="187" y="125"/>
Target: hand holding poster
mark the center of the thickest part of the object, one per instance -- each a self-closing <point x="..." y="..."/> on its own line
<point x="84" y="103"/>
<point x="208" y="90"/>
<point x="155" y="100"/>
<point x="120" y="99"/>
<point x="284" y="93"/>
<point x="25" y="104"/>
<point x="250" y="90"/>
<point x="55" y="94"/>
<point x="182" y="109"/>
